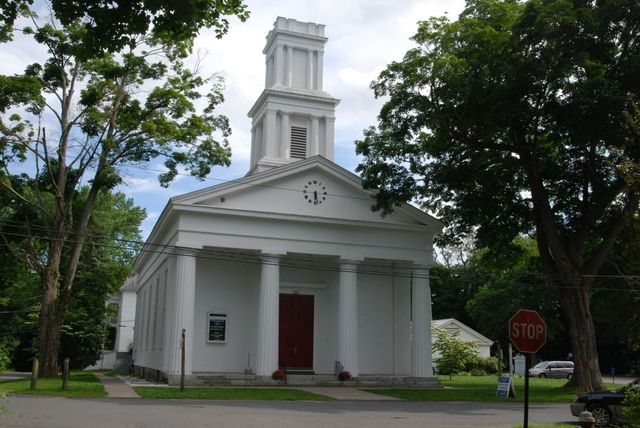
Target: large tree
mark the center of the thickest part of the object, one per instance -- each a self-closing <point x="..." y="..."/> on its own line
<point x="512" y="120"/>
<point x="114" y="92"/>
<point x="103" y="267"/>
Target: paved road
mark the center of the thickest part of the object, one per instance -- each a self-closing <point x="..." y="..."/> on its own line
<point x="54" y="412"/>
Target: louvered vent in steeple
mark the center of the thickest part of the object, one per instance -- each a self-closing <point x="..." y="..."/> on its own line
<point x="298" y="142"/>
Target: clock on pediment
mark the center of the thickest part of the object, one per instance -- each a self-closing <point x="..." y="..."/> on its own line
<point x="314" y="192"/>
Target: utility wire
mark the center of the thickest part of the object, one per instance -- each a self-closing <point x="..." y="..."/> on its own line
<point x="130" y="244"/>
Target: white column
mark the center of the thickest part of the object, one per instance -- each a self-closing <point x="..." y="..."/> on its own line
<point x="269" y="134"/>
<point x="329" y="123"/>
<point x="348" y="317"/>
<point x="309" y="69"/>
<point x="278" y="65"/>
<point x="421" y="364"/>
<point x="254" y="156"/>
<point x="268" y="79"/>
<point x="315" y="135"/>
<point x="268" y="315"/>
<point x="288" y="74"/>
<point x="319" y="66"/>
<point x="185" y="299"/>
<point x="285" y="136"/>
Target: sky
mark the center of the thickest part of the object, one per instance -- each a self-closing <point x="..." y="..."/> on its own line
<point x="364" y="36"/>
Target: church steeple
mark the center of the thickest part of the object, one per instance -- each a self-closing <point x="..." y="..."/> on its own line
<point x="293" y="118"/>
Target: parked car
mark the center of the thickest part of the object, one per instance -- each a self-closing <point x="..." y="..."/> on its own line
<point x="605" y="406"/>
<point x="558" y="369"/>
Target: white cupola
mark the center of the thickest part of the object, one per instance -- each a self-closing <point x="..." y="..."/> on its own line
<point x="293" y="118"/>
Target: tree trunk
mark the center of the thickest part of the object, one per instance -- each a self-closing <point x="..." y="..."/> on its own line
<point x="576" y="304"/>
<point x="49" y="327"/>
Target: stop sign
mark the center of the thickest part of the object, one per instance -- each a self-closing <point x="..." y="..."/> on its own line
<point x="527" y="331"/>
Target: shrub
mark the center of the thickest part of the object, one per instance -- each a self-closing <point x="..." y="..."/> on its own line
<point x="632" y="406"/>
<point x="478" y="372"/>
<point x="455" y="354"/>
<point x="5" y="359"/>
<point x="489" y="364"/>
<point x="7" y="347"/>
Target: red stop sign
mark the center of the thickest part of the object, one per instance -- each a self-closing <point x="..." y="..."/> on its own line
<point x="527" y="331"/>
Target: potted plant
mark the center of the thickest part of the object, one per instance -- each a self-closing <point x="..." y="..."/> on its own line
<point x="279" y="375"/>
<point x="344" y="375"/>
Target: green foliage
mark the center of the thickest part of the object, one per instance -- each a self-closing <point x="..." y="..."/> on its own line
<point x="7" y="346"/>
<point x="455" y="353"/>
<point x="113" y="27"/>
<point x="104" y="264"/>
<point x="451" y="288"/>
<point x="481" y="366"/>
<point x="467" y="96"/>
<point x="632" y="406"/>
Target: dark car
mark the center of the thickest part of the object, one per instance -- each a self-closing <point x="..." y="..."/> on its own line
<point x="606" y="406"/>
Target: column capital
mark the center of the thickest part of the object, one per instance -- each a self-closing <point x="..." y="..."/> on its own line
<point x="272" y="254"/>
<point x="350" y="260"/>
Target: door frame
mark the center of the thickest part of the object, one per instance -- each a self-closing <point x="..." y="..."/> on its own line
<point x="309" y="289"/>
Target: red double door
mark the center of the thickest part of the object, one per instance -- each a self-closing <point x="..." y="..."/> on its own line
<point x="296" y="332"/>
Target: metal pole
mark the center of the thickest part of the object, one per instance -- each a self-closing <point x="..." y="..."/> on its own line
<point x="527" y="363"/>
<point x="510" y="355"/>
<point x="182" y="360"/>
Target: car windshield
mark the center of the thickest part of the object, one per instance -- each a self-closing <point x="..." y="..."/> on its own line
<point x="541" y="365"/>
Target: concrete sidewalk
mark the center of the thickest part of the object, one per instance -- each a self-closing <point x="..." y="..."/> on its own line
<point x="345" y="393"/>
<point x="119" y="388"/>
<point x="116" y="388"/>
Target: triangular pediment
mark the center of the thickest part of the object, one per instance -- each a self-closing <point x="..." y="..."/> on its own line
<point x="315" y="187"/>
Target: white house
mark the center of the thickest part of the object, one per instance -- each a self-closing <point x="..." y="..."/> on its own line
<point x="287" y="267"/>
<point x="119" y="358"/>
<point x="452" y="325"/>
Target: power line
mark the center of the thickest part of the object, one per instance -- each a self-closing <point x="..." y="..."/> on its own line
<point x="299" y="261"/>
<point x="238" y="180"/>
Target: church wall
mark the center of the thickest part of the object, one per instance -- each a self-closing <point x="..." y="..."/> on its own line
<point x="231" y="288"/>
<point x="151" y="308"/>
<point x="383" y="325"/>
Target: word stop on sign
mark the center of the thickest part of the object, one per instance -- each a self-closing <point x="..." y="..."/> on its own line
<point x="526" y="331"/>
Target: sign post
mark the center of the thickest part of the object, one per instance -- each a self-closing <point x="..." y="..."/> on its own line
<point x="528" y="333"/>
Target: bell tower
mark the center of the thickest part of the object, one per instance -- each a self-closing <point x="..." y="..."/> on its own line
<point x="293" y="118"/>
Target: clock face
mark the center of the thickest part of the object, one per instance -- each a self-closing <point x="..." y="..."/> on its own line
<point x="314" y="192"/>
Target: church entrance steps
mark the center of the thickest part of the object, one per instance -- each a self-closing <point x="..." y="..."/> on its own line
<point x="327" y="380"/>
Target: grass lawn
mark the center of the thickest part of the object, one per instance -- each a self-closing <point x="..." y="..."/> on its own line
<point x="225" y="393"/>
<point x="483" y="388"/>
<point x="81" y="385"/>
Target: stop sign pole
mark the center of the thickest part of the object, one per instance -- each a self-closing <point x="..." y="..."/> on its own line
<point x="528" y="333"/>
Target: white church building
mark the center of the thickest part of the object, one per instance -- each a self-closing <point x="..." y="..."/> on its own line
<point x="287" y="268"/>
